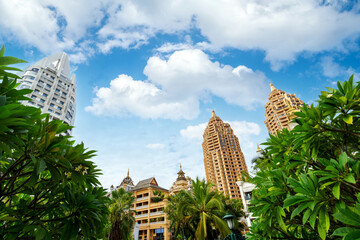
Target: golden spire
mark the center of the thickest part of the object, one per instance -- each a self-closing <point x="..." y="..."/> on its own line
<point x="272" y="87"/>
<point x="128" y="173"/>
<point x="180" y="167"/>
<point x="213" y="113"/>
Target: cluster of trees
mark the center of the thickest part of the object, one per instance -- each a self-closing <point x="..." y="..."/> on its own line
<point x="308" y="180"/>
<point x="48" y="184"/>
<point x="198" y="213"/>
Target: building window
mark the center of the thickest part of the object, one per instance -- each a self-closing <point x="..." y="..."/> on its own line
<point x="48" y="85"/>
<point x="45" y="95"/>
<point x="36" y="90"/>
<point x="57" y="90"/>
<point x="35" y="70"/>
<point x="61" y="102"/>
<point x="52" y="105"/>
<point x="54" y="99"/>
<point x="57" y="113"/>
<point x="64" y="94"/>
<point x="42" y="100"/>
<point x="52" y="77"/>
<point x="49" y="110"/>
<point x="33" y="96"/>
<point x="59" y="108"/>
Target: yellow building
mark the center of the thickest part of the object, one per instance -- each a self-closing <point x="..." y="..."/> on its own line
<point x="279" y="111"/>
<point x="151" y="200"/>
<point x="223" y="158"/>
<point x="181" y="183"/>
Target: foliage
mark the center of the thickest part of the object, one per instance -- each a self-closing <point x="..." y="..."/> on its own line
<point x="121" y="217"/>
<point x="196" y="213"/>
<point x="48" y="185"/>
<point x="158" y="196"/>
<point x="308" y="181"/>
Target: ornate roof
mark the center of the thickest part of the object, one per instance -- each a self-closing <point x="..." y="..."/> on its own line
<point x="127" y="180"/>
<point x="181" y="175"/>
<point x="149" y="182"/>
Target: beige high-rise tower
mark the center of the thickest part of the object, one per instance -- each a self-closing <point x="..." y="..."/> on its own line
<point x="223" y="158"/>
<point x="279" y="111"/>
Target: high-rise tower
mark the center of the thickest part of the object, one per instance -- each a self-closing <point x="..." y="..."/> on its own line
<point x="223" y="158"/>
<point x="54" y="91"/>
<point x="279" y="111"/>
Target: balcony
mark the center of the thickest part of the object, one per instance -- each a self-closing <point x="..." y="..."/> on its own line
<point x="161" y="222"/>
<point x="142" y="207"/>
<point x="141" y="215"/>
<point x="156" y="213"/>
<point x="143" y="198"/>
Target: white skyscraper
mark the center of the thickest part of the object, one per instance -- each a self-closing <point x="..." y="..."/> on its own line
<point x="54" y="91"/>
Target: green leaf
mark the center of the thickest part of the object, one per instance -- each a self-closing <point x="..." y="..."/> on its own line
<point x="348" y="119"/>
<point x="292" y="200"/>
<point x="343" y="231"/>
<point x="350" y="178"/>
<point x="336" y="190"/>
<point x="348" y="217"/>
<point x="343" y="99"/>
<point x="2" y="51"/>
<point x="10" y="60"/>
<point x="40" y="234"/>
<point x="355" y="235"/>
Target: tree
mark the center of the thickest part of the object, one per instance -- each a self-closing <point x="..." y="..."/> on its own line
<point x="121" y="217"/>
<point x="308" y="181"/>
<point x="201" y="210"/>
<point x="48" y="185"/>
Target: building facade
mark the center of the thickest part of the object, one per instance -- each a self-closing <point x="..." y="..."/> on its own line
<point x="54" y="91"/>
<point x="181" y="183"/>
<point x="246" y="189"/>
<point x="150" y="218"/>
<point x="279" y="111"/>
<point x="223" y="158"/>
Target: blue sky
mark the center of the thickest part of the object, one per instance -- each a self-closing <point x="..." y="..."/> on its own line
<point x="150" y="72"/>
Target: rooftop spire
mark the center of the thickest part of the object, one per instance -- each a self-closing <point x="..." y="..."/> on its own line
<point x="213" y="113"/>
<point x="128" y="175"/>
<point x="272" y="87"/>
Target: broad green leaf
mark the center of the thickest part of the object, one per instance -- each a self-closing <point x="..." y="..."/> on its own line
<point x="350" y="178"/>
<point x="10" y="60"/>
<point x="343" y="99"/>
<point x="336" y="190"/>
<point x="2" y="51"/>
<point x="343" y="231"/>
<point x="348" y="217"/>
<point x="355" y="235"/>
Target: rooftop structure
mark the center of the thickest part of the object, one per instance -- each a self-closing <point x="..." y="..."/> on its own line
<point x="223" y="158"/>
<point x="181" y="183"/>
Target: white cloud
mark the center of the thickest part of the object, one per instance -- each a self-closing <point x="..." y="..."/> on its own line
<point x="174" y="88"/>
<point x="282" y="29"/>
<point x="155" y="146"/>
<point x="333" y="69"/>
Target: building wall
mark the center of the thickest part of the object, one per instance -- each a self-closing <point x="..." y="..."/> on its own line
<point x="223" y="158"/>
<point x="150" y="215"/>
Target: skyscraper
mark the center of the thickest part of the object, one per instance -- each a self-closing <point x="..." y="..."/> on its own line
<point x="54" y="91"/>
<point x="279" y="111"/>
<point x="223" y="158"/>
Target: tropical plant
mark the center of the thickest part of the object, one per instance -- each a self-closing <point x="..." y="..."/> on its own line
<point x="48" y="185"/>
<point x="121" y="217"/>
<point x="201" y="210"/>
<point x="158" y="196"/>
<point x="308" y="181"/>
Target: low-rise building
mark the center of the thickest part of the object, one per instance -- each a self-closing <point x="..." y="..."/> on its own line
<point x="246" y="189"/>
<point x="151" y="200"/>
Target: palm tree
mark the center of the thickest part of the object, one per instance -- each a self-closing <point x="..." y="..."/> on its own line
<point x="121" y="218"/>
<point x="204" y="208"/>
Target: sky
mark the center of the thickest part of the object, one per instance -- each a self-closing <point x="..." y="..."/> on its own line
<point x="149" y="72"/>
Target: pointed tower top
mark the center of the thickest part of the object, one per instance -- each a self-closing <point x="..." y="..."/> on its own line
<point x="128" y="173"/>
<point x="180" y="167"/>
<point x="213" y="113"/>
<point x="258" y="148"/>
<point x="272" y="87"/>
